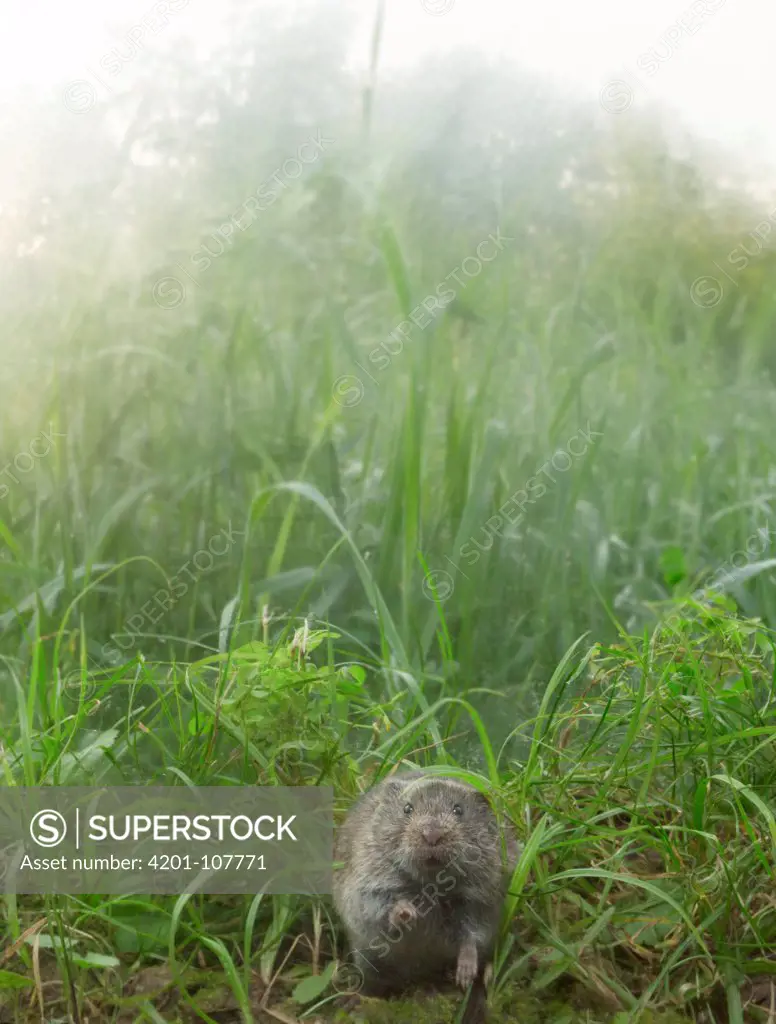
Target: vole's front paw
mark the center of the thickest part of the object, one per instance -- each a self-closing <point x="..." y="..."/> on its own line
<point x="466" y="969"/>
<point x="402" y="912"/>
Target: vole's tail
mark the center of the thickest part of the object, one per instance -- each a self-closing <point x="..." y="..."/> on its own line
<point x="475" y="1010"/>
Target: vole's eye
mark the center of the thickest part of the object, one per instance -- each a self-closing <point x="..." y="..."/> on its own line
<point x="458" y="810"/>
<point x="408" y="808"/>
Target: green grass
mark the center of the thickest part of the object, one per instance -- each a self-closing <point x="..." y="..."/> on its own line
<point x="643" y="788"/>
<point x="190" y="484"/>
<point x="642" y="798"/>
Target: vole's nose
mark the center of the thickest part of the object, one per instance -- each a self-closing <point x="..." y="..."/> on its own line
<point x="432" y="835"/>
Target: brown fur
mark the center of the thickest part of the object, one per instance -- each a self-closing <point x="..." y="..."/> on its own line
<point x="423" y="882"/>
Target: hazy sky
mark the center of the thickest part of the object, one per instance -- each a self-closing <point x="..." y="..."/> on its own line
<point x="711" y="60"/>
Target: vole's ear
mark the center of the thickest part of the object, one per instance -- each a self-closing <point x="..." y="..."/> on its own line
<point x="481" y="799"/>
<point x="395" y="785"/>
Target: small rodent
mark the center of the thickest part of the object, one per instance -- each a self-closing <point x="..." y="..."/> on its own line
<point x="423" y="881"/>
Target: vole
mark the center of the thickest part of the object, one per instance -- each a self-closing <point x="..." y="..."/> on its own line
<point x="422" y="883"/>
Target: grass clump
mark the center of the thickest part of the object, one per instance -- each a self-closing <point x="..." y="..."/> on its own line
<point x="641" y="791"/>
